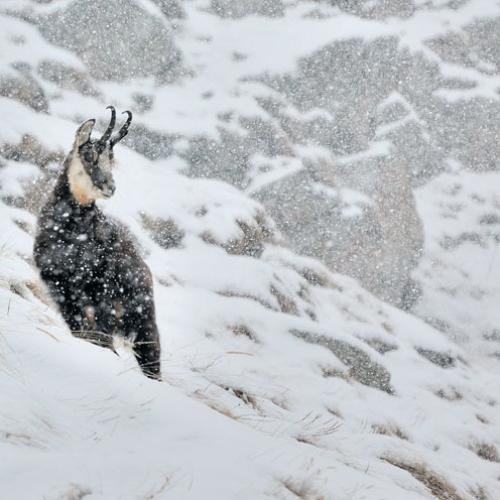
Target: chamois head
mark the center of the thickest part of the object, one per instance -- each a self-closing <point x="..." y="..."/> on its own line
<point x="90" y="163"/>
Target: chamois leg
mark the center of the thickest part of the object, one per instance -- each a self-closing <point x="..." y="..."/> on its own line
<point x="140" y="327"/>
<point x="100" y="322"/>
<point x="85" y="321"/>
<point x="147" y="352"/>
<point x="68" y="301"/>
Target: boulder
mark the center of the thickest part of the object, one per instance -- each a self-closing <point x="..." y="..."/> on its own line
<point x="66" y="77"/>
<point x="116" y="39"/>
<point x="362" y="367"/>
<point x="18" y="84"/>
<point x="242" y="8"/>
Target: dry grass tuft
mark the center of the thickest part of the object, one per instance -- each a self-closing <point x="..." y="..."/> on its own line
<point x="482" y="419"/>
<point x="300" y="489"/>
<point x="314" y="427"/>
<point x="449" y="393"/>
<point x="390" y="429"/>
<point x="239" y="295"/>
<point x="305" y="440"/>
<point x="244" y="331"/>
<point x="334" y="411"/>
<point x="21" y="439"/>
<point x="312" y="315"/>
<point x="247" y="398"/>
<point x="157" y="492"/>
<point x="315" y="278"/>
<point x="214" y="405"/>
<point x="18" y="289"/>
<point x="25" y="226"/>
<point x="387" y="327"/>
<point x="327" y="428"/>
<point x="75" y="492"/>
<point x="287" y="305"/>
<point x="280" y="401"/>
<point x="436" y="484"/>
<point x="479" y="493"/>
<point x="485" y="451"/>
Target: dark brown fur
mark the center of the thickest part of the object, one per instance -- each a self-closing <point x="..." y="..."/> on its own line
<point x="96" y="275"/>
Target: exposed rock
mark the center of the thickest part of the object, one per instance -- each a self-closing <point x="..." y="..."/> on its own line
<point x="22" y="87"/>
<point x="171" y="8"/>
<point x="32" y="151"/>
<point x="116" y="39"/>
<point x="375" y="9"/>
<point x="368" y="245"/>
<point x="362" y="368"/>
<point x="468" y="127"/>
<point x="380" y="345"/>
<point x="253" y="237"/>
<point x="67" y="77"/>
<point x="165" y="233"/>
<point x="450" y="243"/>
<point x="442" y="359"/>
<point x="242" y="8"/>
<point x="148" y="142"/>
<point x="143" y="102"/>
<point x="228" y="158"/>
<point x="489" y="219"/>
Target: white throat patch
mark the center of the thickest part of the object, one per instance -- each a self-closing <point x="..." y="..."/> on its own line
<point x="80" y="183"/>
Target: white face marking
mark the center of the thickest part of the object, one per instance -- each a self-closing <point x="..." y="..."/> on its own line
<point x="80" y="184"/>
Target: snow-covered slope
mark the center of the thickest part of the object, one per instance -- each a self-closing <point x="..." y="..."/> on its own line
<point x="461" y="264"/>
<point x="279" y="376"/>
<point x="281" y="379"/>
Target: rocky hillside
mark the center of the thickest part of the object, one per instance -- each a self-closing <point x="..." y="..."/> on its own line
<point x="295" y="170"/>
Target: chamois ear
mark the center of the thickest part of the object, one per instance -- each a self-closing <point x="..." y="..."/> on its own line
<point x="83" y="133"/>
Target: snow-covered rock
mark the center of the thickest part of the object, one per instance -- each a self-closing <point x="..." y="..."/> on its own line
<point x="116" y="39"/>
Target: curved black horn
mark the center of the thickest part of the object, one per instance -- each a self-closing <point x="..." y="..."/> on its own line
<point x="105" y="137"/>
<point x="123" y="131"/>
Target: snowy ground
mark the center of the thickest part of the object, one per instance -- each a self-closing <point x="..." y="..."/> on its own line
<point x="254" y="401"/>
<point x="281" y="379"/>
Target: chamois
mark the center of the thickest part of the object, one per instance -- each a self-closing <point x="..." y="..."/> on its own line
<point x="88" y="261"/>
